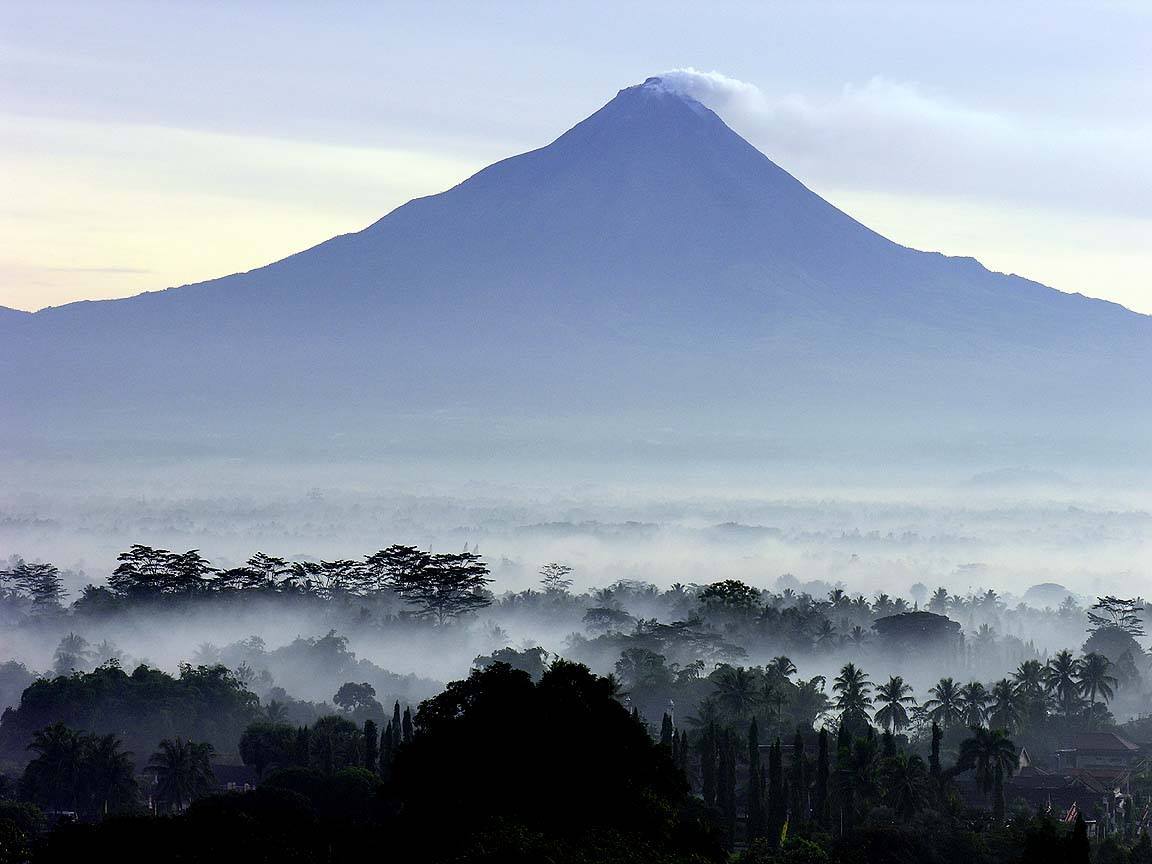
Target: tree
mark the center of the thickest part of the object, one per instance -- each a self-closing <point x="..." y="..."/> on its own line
<point x="730" y="596"/>
<point x="443" y="586"/>
<point x="1094" y="678"/>
<point x="1119" y="614"/>
<point x="1079" y="849"/>
<point x="642" y="669"/>
<point x="183" y="771"/>
<point x="353" y="697"/>
<point x="267" y="744"/>
<point x="736" y="693"/>
<point x="755" y="790"/>
<point x="1061" y="678"/>
<point x="554" y="577"/>
<point x="267" y="572"/>
<point x="334" y="743"/>
<point x="53" y="776"/>
<point x="406" y="724"/>
<point x="974" y="700"/>
<point x="905" y="783"/>
<point x="893" y="696"/>
<point x="41" y="583"/>
<point x="945" y="707"/>
<point x="708" y="767"/>
<point x="992" y="756"/>
<point x="371" y="745"/>
<point x="777" y="799"/>
<point x="820" y="790"/>
<point x="666" y="733"/>
<point x="797" y="785"/>
<point x="852" y="689"/>
<point x="107" y="775"/>
<point x="1006" y="707"/>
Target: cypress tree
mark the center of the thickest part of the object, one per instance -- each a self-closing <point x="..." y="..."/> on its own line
<point x="708" y="767"/>
<point x="777" y="799"/>
<point x="300" y="747"/>
<point x="666" y="733"/>
<point x="845" y="782"/>
<point x="682" y="754"/>
<point x="407" y="724"/>
<point x="755" y="793"/>
<point x="1079" y="850"/>
<point x="387" y="747"/>
<point x="726" y="791"/>
<point x="797" y="806"/>
<point x="820" y="796"/>
<point x="934" y="756"/>
<point x="371" y="746"/>
<point x="998" y="803"/>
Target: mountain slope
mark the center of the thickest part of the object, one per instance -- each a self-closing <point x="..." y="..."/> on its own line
<point x="649" y="273"/>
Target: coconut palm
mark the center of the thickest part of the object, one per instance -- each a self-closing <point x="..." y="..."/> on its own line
<point x="736" y="692"/>
<point x="905" y="784"/>
<point x="1006" y="709"/>
<point x="183" y="771"/>
<point x="107" y="775"/>
<point x="852" y="689"/>
<point x="1029" y="678"/>
<point x="945" y="706"/>
<point x="1061" y="679"/>
<point x="1094" y="678"/>
<point x="993" y="757"/>
<point x="782" y="666"/>
<point x="974" y="701"/>
<point x="893" y="696"/>
<point x="54" y="773"/>
<point x="808" y="701"/>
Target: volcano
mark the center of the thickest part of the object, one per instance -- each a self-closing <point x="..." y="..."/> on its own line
<point x="647" y="279"/>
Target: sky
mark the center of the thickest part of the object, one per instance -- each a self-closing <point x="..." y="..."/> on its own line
<point x="151" y="144"/>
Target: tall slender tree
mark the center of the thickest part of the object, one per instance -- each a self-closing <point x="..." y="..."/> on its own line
<point x="756" y="824"/>
<point x="820" y="788"/>
<point x="371" y="746"/>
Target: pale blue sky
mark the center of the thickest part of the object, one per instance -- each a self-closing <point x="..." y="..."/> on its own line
<point x="147" y="144"/>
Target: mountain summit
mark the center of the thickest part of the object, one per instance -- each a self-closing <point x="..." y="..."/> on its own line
<point x="649" y="275"/>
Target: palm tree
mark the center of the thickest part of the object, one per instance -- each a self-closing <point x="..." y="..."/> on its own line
<point x="974" y="702"/>
<point x="905" y="783"/>
<point x="1061" y="678"/>
<point x="736" y="692"/>
<point x="1094" y="678"/>
<point x="852" y="689"/>
<point x="945" y="706"/>
<point x="809" y="701"/>
<point x="1006" y="705"/>
<point x="894" y="696"/>
<point x="782" y="666"/>
<point x="183" y="771"/>
<point x="1029" y="678"/>
<point x="107" y="774"/>
<point x="55" y="772"/>
<point x="994" y="758"/>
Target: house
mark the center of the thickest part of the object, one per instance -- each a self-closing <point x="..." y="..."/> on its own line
<point x="1099" y="751"/>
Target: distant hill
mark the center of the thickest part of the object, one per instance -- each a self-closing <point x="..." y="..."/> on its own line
<point x="649" y="283"/>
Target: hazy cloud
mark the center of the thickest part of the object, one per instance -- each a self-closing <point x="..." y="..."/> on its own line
<point x="890" y="135"/>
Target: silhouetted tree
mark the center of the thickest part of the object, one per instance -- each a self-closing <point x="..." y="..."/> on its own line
<point x="183" y="771"/>
<point x="708" y="748"/>
<point x="371" y="745"/>
<point x="756" y="824"/>
<point x="820" y="790"/>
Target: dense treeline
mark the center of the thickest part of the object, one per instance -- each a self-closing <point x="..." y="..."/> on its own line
<point x="723" y="720"/>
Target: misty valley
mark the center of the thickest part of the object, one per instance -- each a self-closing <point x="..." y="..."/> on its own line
<point x="291" y="709"/>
